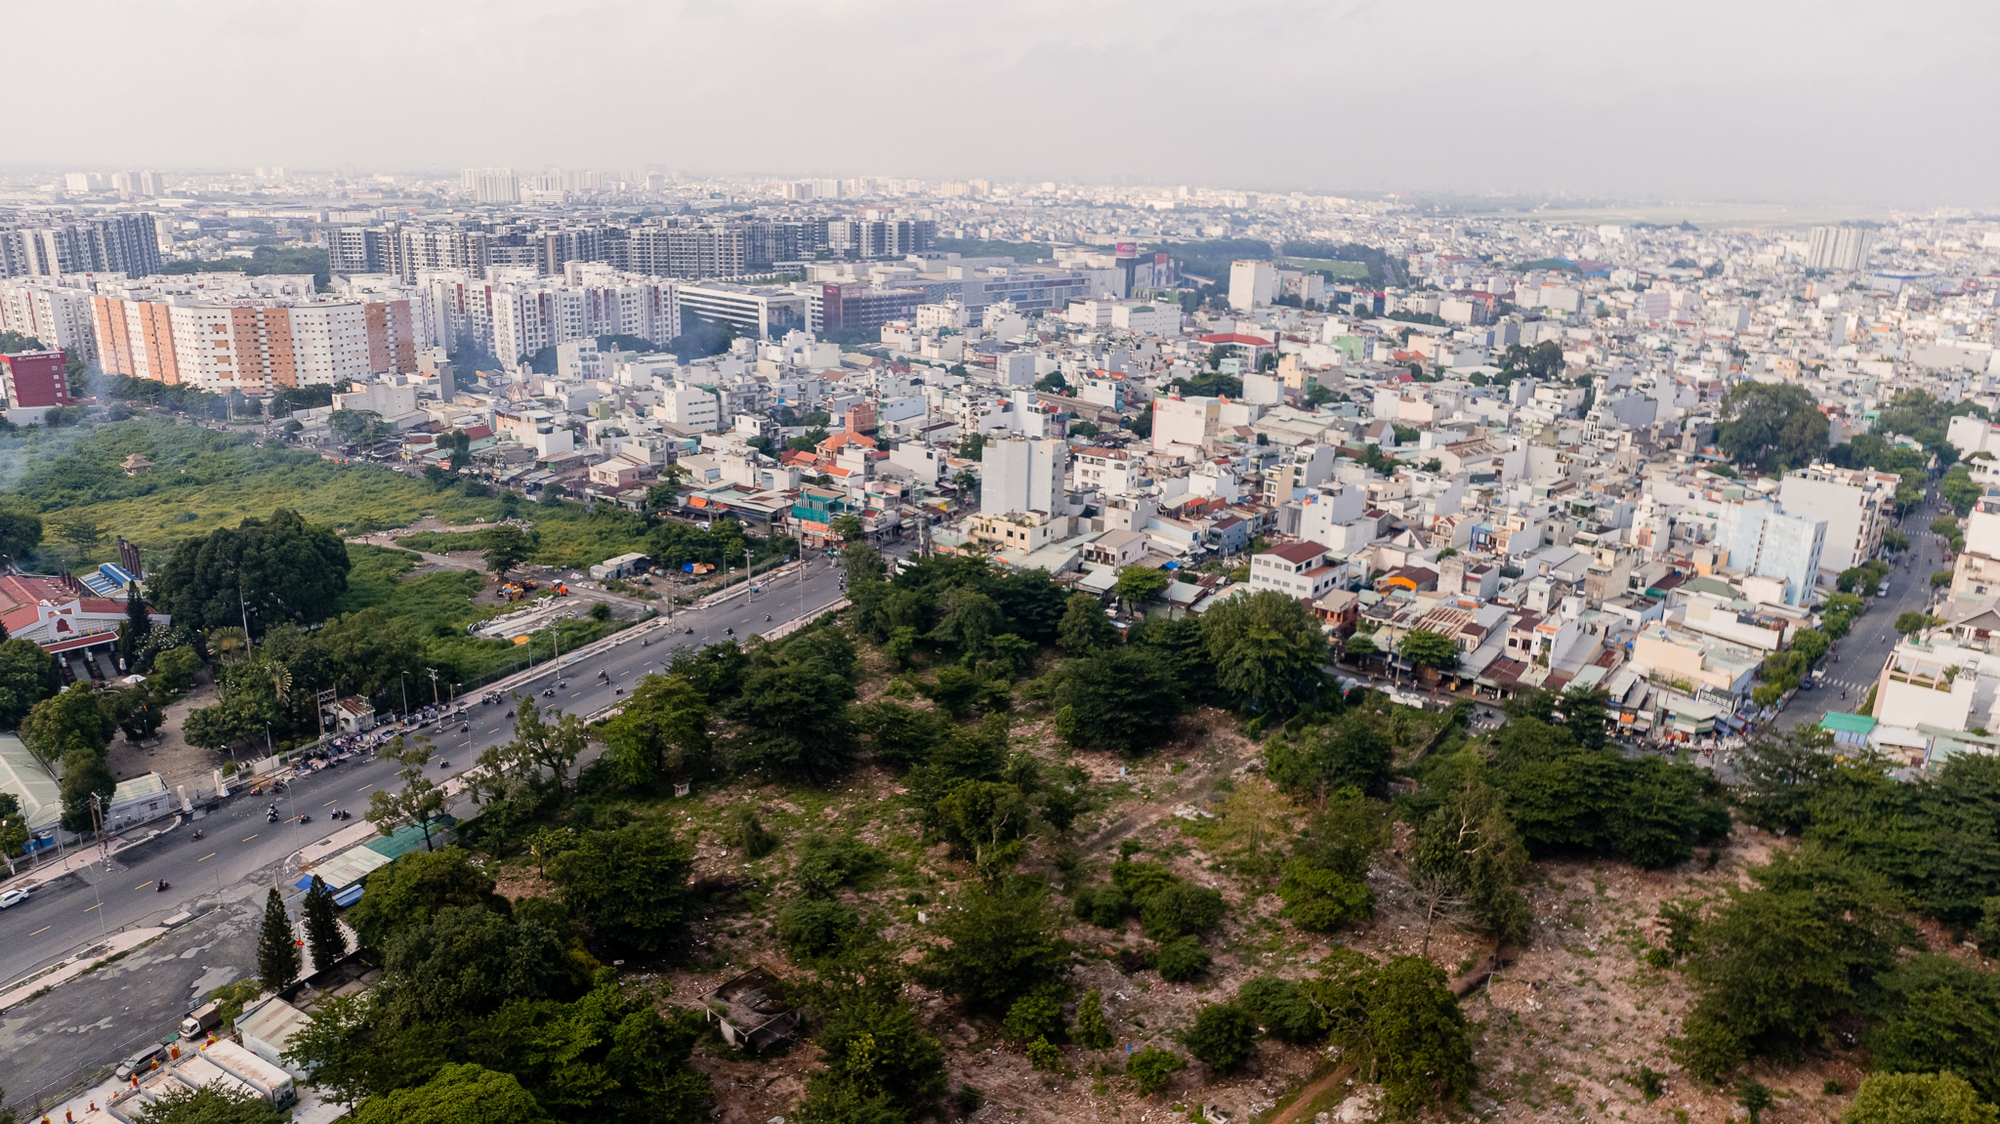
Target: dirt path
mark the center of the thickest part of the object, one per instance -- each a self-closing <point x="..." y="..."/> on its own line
<point x="1301" y="1107"/>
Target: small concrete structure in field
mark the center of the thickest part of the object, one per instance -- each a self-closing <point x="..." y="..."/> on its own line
<point x="752" y="1010"/>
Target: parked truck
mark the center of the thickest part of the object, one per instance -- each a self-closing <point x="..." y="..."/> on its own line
<point x="201" y="1020"/>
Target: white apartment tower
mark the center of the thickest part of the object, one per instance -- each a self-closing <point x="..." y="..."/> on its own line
<point x="1841" y="248"/>
<point x="1251" y="284"/>
<point x="491" y="185"/>
<point x="1021" y="474"/>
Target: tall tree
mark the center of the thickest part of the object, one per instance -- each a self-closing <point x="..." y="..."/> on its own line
<point x="1268" y="652"/>
<point x="663" y="731"/>
<point x="279" y="569"/>
<point x="277" y="949"/>
<point x="419" y="801"/>
<point x="1771" y="426"/>
<point x="74" y="719"/>
<point x="1084" y="627"/>
<point x="27" y="676"/>
<point x="542" y="752"/>
<point x="85" y="773"/>
<point x="138" y="624"/>
<point x="323" y="935"/>
<point x="1121" y="699"/>
<point x="20" y="534"/>
<point x="629" y="886"/>
<point x="506" y="548"/>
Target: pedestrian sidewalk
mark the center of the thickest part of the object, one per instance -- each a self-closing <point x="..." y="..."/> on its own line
<point x="81" y="856"/>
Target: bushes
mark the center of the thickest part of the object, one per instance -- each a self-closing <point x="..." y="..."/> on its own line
<point x="1181" y="959"/>
<point x="810" y="928"/>
<point x="1037" y="1014"/>
<point x="1283" y="1009"/>
<point x="1092" y="1030"/>
<point x="1003" y="945"/>
<point x="1151" y="1068"/>
<point x="1223" y="1036"/>
<point x="1917" y="1098"/>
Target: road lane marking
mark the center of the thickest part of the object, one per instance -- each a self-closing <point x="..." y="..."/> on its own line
<point x="40" y="931"/>
<point x="494" y="730"/>
<point x="206" y="857"/>
<point x="248" y="838"/>
<point x="366" y="787"/>
<point x="143" y="885"/>
<point x="328" y="804"/>
<point x="93" y="907"/>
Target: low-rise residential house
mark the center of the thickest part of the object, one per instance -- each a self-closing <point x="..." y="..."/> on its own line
<point x="1301" y="570"/>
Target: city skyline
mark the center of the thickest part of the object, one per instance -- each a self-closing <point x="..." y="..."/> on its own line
<point x="1783" y="103"/>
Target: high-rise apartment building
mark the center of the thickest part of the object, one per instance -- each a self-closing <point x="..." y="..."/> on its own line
<point x="491" y="185"/>
<point x="54" y="310"/>
<point x="1837" y="247"/>
<point x="1251" y="284"/>
<point x="224" y="332"/>
<point x="517" y="314"/>
<point x="117" y="243"/>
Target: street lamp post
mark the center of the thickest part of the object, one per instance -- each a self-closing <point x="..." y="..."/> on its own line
<point x="403" y="684"/>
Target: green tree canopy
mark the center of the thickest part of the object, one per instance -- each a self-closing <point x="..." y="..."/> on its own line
<point x="1917" y="1098"/>
<point x="413" y="888"/>
<point x="1084" y="628"/>
<point x="280" y="568"/>
<point x="1139" y="584"/>
<point x="1268" y="652"/>
<point x="277" y="949"/>
<point x="1424" y="648"/>
<point x="1774" y="966"/>
<point x="1223" y="1036"/>
<point x="210" y="1104"/>
<point x="1401" y="1016"/>
<point x="1002" y="944"/>
<point x="27" y="676"/>
<point x="458" y="1094"/>
<point x="507" y="546"/>
<point x="73" y="719"/>
<point x="1120" y="699"/>
<point x="629" y="886"/>
<point x="662" y="731"/>
<point x="1771" y="426"/>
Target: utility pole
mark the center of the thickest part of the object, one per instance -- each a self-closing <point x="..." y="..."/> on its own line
<point x="434" y="685"/>
<point x="96" y="817"/>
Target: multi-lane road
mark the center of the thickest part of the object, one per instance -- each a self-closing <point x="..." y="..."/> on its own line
<point x="240" y="846"/>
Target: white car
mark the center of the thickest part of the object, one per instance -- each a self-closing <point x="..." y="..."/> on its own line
<point x="12" y="897"/>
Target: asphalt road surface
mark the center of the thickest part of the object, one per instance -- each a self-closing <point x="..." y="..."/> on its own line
<point x="1867" y="645"/>
<point x="240" y="848"/>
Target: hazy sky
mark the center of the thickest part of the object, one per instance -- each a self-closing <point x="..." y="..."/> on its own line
<point x="1884" y="104"/>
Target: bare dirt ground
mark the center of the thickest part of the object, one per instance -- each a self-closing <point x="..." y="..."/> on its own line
<point x="177" y="762"/>
<point x="1561" y="1032"/>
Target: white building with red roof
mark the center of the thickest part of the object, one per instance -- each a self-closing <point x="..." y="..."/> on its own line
<point x="60" y="618"/>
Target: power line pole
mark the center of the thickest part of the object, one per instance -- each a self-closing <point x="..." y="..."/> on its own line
<point x="434" y="685"/>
